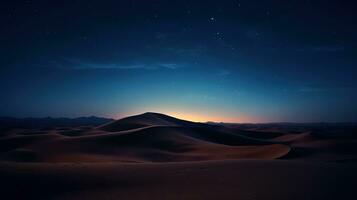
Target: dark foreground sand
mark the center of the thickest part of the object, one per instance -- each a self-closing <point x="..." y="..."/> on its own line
<point x="153" y="156"/>
<point x="233" y="179"/>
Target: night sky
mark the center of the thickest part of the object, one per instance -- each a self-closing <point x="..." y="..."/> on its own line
<point x="223" y="60"/>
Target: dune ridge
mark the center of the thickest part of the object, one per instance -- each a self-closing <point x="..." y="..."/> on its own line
<point x="147" y="144"/>
<point x="155" y="137"/>
<point x="155" y="156"/>
<point x="149" y="137"/>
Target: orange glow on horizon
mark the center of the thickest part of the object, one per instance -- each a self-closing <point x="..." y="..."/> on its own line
<point x="203" y="118"/>
<point x="198" y="117"/>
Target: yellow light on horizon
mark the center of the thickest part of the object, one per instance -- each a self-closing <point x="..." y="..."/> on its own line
<point x="218" y="118"/>
<point x="199" y="117"/>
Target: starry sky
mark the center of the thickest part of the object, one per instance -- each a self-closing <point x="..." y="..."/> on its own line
<point x="226" y="60"/>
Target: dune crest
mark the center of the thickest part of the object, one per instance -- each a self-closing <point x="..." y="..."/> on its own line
<point x="155" y="156"/>
<point x="149" y="137"/>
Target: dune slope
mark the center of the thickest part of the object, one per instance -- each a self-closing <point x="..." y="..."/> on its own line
<point x="154" y="156"/>
<point x="148" y="144"/>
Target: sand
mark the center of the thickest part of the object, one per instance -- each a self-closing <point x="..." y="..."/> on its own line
<point x="154" y="156"/>
<point x="230" y="179"/>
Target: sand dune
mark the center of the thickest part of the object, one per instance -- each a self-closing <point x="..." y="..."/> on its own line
<point x="154" y="156"/>
<point x="147" y="119"/>
<point x="155" y="137"/>
<point x="148" y="144"/>
<point x="296" y="138"/>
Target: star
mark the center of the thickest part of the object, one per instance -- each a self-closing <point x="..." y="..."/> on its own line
<point x="238" y="4"/>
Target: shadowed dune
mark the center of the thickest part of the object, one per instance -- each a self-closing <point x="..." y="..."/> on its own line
<point x="311" y="146"/>
<point x="148" y="119"/>
<point x="148" y="144"/>
<point x="154" y="137"/>
<point x="155" y="156"/>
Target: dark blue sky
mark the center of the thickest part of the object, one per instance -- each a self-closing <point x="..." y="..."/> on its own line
<point x="227" y="60"/>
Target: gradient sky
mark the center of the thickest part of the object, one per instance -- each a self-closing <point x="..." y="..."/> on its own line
<point x="226" y="60"/>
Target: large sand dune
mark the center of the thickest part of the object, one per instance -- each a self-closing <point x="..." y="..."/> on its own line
<point x="160" y="138"/>
<point x="155" y="156"/>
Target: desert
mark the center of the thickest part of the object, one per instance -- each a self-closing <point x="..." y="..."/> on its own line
<point x="155" y="156"/>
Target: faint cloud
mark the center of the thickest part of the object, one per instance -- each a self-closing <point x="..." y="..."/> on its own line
<point x="161" y="36"/>
<point x="198" y="97"/>
<point x="253" y="34"/>
<point x="224" y="72"/>
<point x="315" y="87"/>
<point x="326" y="49"/>
<point x="192" y="52"/>
<point x="312" y="89"/>
<point x="83" y="65"/>
<point x="169" y="65"/>
<point x="329" y="48"/>
<point x="318" y="89"/>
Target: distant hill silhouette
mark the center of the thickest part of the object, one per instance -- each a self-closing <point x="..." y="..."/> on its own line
<point x="49" y="122"/>
<point x="148" y="119"/>
<point x="155" y="137"/>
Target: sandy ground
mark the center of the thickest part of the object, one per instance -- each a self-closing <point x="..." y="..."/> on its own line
<point x="230" y="179"/>
<point x="153" y="156"/>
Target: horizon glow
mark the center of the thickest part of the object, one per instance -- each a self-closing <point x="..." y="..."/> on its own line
<point x="217" y="62"/>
